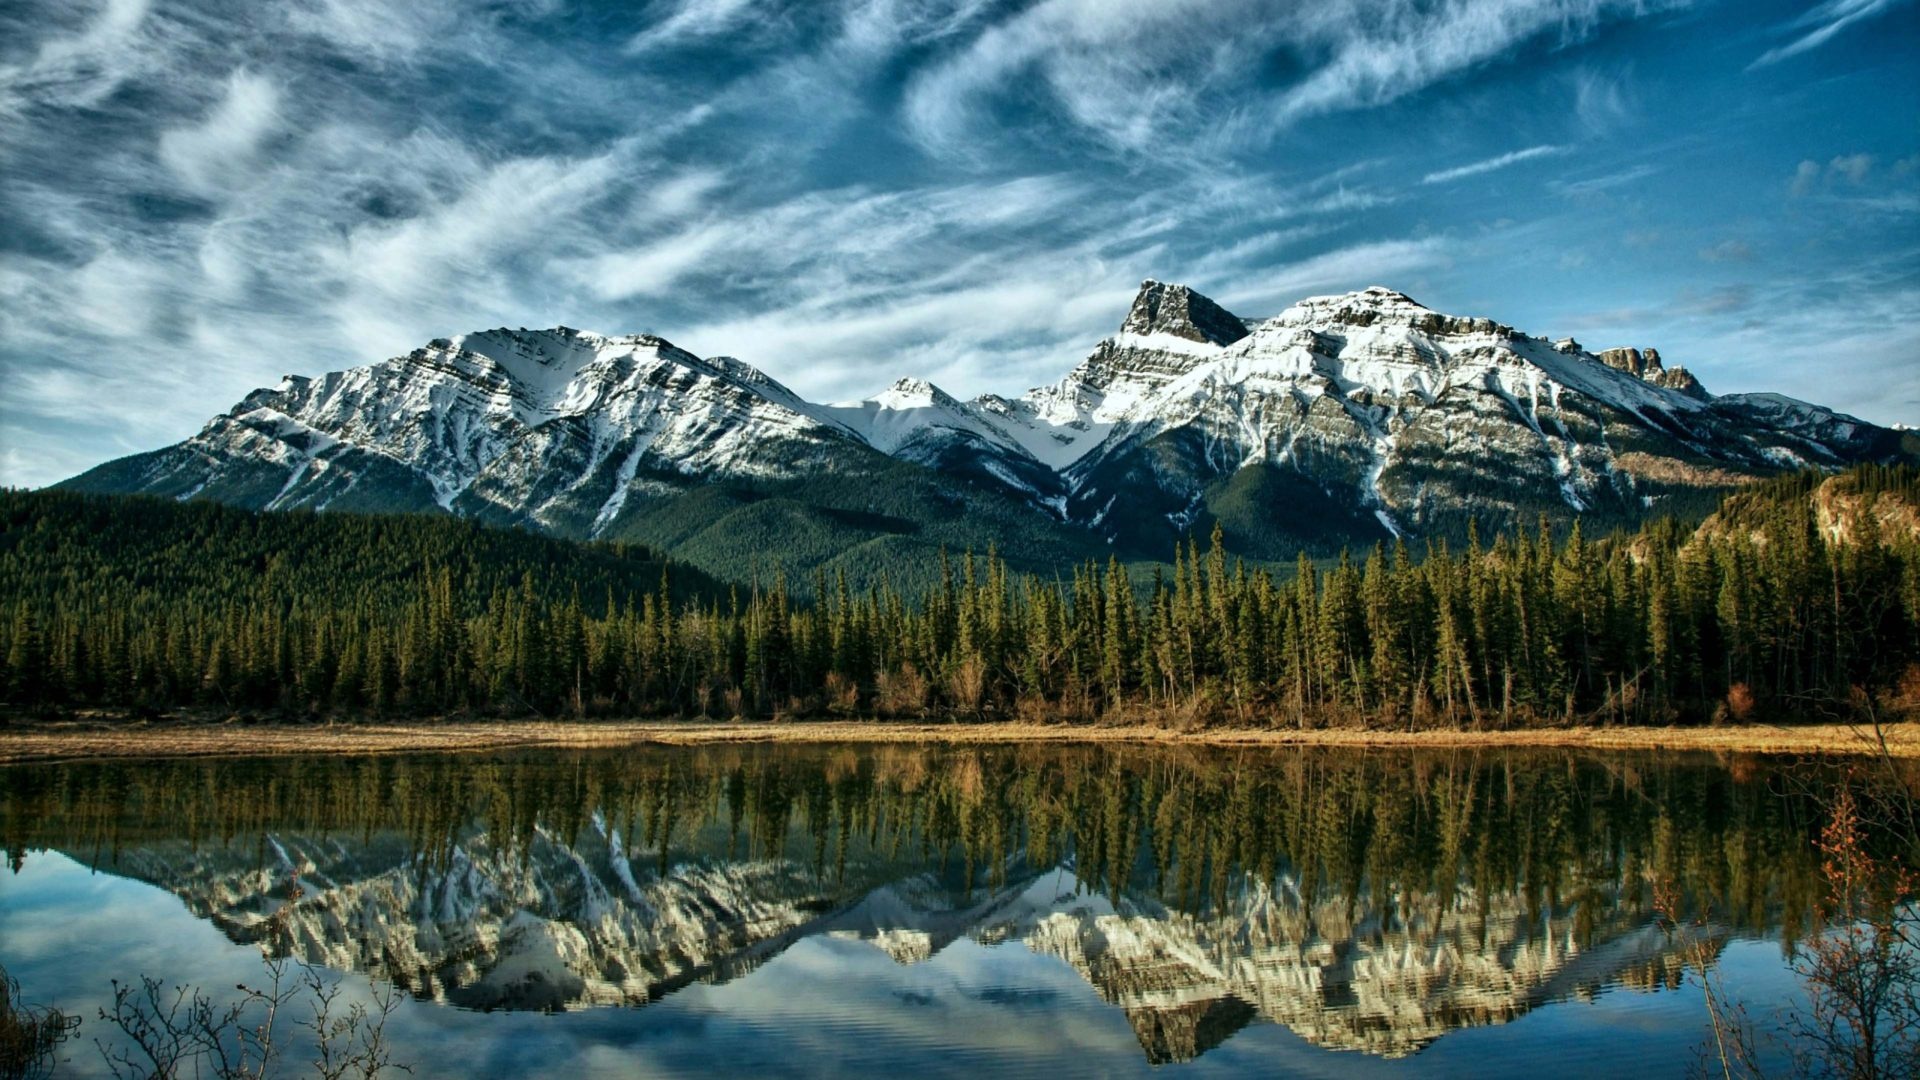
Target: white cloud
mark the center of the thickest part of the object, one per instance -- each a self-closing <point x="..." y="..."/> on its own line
<point x="84" y="67"/>
<point x="215" y="155"/>
<point x="1852" y="166"/>
<point x="1820" y="24"/>
<point x="1379" y="56"/>
<point x="1602" y="103"/>
<point x="678" y="196"/>
<point x="879" y="26"/>
<point x="1599" y="185"/>
<point x="1736" y="251"/>
<point x="972" y="332"/>
<point x="1513" y="157"/>
<point x="1804" y="178"/>
<point x="654" y="269"/>
<point x="1843" y="340"/>
<point x="453" y="261"/>
<point x="471" y="167"/>
<point x="1163" y="77"/>
<point x="1807" y="177"/>
<point x="692" y="20"/>
<point x="1129" y="71"/>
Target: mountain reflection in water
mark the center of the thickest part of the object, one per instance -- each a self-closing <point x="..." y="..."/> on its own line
<point x="1365" y="901"/>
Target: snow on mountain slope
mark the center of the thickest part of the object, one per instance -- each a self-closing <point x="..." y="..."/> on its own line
<point x="556" y="426"/>
<point x="1372" y="400"/>
<point x="912" y="412"/>
<point x="1342" y="419"/>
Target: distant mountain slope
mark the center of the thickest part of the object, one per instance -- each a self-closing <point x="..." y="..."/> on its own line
<point x="156" y="556"/>
<point x="1342" y="420"/>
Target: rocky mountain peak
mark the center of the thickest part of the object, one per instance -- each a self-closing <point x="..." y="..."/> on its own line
<point x="911" y="392"/>
<point x="1641" y="363"/>
<point x="1379" y="305"/>
<point x="1645" y="364"/>
<point x="1179" y="311"/>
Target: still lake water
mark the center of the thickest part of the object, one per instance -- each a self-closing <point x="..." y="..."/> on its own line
<point x="1053" y="911"/>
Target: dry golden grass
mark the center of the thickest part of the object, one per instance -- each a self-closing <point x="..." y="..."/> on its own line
<point x="92" y="738"/>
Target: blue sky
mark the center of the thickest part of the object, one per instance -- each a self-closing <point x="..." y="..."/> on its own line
<point x="196" y="198"/>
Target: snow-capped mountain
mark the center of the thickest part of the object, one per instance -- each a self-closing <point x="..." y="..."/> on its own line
<point x="1342" y="419"/>
<point x="557" y="427"/>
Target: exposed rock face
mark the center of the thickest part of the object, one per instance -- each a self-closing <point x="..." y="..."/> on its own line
<point x="1645" y="364"/>
<point x="1349" y="418"/>
<point x="1342" y="420"/>
<point x="1632" y="361"/>
<point x="1183" y="313"/>
<point x="1842" y="511"/>
<point x="554" y="428"/>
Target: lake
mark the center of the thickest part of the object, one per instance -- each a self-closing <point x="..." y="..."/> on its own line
<point x="835" y="910"/>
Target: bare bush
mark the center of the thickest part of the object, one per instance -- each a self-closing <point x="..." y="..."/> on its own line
<point x="843" y="694"/>
<point x="168" y="1032"/>
<point x="1731" y="1050"/>
<point x="1862" y="969"/>
<point x="967" y="684"/>
<point x="350" y="1042"/>
<point x="30" y="1035"/>
<point x="902" y="692"/>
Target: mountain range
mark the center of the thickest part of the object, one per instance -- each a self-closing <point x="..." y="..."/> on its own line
<point x="1341" y="421"/>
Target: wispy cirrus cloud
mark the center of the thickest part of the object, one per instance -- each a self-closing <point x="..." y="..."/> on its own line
<point x="1602" y="101"/>
<point x="212" y="155"/>
<point x="79" y="63"/>
<point x="1146" y="76"/>
<point x="1375" y="56"/>
<point x="1820" y="25"/>
<point x="1596" y="186"/>
<point x="1487" y="165"/>
<point x="692" y="20"/>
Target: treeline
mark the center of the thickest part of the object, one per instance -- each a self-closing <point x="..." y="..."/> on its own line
<point x="1765" y="611"/>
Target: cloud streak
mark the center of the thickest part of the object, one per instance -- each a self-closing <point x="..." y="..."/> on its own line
<point x="1820" y="25"/>
<point x="1144" y="76"/>
<point x="1488" y="165"/>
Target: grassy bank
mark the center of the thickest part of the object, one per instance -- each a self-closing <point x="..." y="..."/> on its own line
<point x="97" y="737"/>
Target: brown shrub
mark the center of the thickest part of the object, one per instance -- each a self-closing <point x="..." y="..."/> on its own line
<point x="1906" y="694"/>
<point x="1741" y="703"/>
<point x="967" y="684"/>
<point x="843" y="694"/>
<point x="902" y="692"/>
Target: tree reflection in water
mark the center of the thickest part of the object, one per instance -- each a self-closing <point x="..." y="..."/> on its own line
<point x="1366" y="900"/>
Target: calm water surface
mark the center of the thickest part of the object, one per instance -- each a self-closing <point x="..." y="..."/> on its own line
<point x="806" y="911"/>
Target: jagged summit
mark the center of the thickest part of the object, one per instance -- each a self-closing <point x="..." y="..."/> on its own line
<point x="911" y="392"/>
<point x="1379" y="305"/>
<point x="1344" y="419"/>
<point x="1180" y="312"/>
<point x="1645" y="364"/>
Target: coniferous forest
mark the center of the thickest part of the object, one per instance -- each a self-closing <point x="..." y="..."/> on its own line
<point x="1799" y="598"/>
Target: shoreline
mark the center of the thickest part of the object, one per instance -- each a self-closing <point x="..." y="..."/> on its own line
<point x="82" y="739"/>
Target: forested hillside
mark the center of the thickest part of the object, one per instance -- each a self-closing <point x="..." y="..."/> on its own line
<point x="1801" y="597"/>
